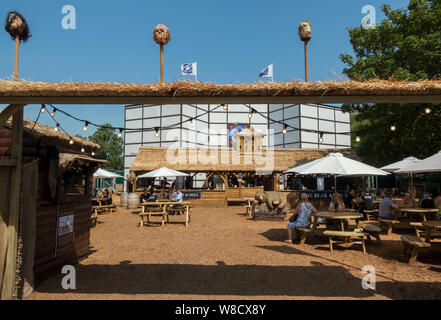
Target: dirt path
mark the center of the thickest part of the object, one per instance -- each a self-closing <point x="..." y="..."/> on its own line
<point x="224" y="255"/>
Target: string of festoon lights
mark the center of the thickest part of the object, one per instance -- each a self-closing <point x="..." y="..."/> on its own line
<point x="191" y="120"/>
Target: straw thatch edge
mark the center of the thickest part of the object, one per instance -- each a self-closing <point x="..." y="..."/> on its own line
<point x="207" y="89"/>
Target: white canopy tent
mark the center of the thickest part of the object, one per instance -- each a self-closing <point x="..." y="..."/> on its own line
<point x="104" y="174"/>
<point x="163" y="172"/>
<point x="430" y="164"/>
<point x="101" y="173"/>
<point x="337" y="165"/>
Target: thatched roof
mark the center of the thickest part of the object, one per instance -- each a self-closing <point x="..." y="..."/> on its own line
<point x="151" y="158"/>
<point x="273" y="92"/>
<point x="68" y="160"/>
<point x="45" y="133"/>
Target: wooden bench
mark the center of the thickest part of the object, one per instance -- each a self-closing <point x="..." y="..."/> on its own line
<point x="100" y="209"/>
<point x="181" y="210"/>
<point x="303" y="233"/>
<point x="413" y="244"/>
<point x="419" y="229"/>
<point x="350" y="210"/>
<point x="93" y="220"/>
<point x="152" y="211"/>
<point x="387" y="225"/>
<point x="371" y="214"/>
<point x="248" y="210"/>
<point x="371" y="230"/>
<point x="331" y="234"/>
<point x="240" y="200"/>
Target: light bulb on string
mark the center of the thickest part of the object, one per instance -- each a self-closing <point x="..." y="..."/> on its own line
<point x="393" y="127"/>
<point x="71" y="140"/>
<point x="225" y="107"/>
<point x="93" y="153"/>
<point x="86" y="125"/>
<point x="82" y="149"/>
<point x="120" y="133"/>
<point x="250" y="115"/>
<point x="43" y="108"/>
<point x="321" y="137"/>
<point x="284" y="128"/>
<point x="191" y="122"/>
<point x="357" y="138"/>
<point x="57" y="128"/>
<point x="156" y="132"/>
<point x="53" y="112"/>
<point x="427" y="110"/>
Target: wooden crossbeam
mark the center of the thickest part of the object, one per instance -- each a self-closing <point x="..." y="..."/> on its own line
<point x="8" y="112"/>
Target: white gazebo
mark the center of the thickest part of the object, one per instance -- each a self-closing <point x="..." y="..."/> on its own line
<point x="104" y="174"/>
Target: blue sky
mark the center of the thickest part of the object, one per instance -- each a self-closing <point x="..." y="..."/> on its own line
<point x="231" y="41"/>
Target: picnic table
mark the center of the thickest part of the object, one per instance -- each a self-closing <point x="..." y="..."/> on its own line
<point x="418" y="211"/>
<point x="148" y="209"/>
<point x="99" y="200"/>
<point x="431" y="227"/>
<point x="341" y="216"/>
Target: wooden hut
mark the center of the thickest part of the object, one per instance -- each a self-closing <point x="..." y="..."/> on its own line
<point x="55" y="201"/>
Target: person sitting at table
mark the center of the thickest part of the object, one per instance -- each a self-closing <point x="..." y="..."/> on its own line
<point x="437" y="203"/>
<point x="386" y="206"/>
<point x="366" y="201"/>
<point x="407" y="200"/>
<point x="176" y="196"/>
<point x="153" y="197"/>
<point x="107" y="195"/>
<point x="301" y="217"/>
<point x="427" y="201"/>
<point x="144" y="196"/>
<point x="336" y="204"/>
<point x="348" y="199"/>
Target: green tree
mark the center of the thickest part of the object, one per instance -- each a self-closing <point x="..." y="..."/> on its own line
<point x="111" y="147"/>
<point x="405" y="46"/>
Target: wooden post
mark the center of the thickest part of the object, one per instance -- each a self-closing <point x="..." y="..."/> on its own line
<point x="162" y="62"/>
<point x="9" y="291"/>
<point x="275" y="182"/>
<point x="17" y="49"/>
<point x="306" y="62"/>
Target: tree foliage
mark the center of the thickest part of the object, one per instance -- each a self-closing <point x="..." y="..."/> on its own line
<point x="111" y="147"/>
<point x="405" y="46"/>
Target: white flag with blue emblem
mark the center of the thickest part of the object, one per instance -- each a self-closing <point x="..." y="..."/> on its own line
<point x="189" y="69"/>
<point x="267" y="72"/>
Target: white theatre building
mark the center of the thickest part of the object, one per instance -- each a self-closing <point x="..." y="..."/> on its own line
<point x="308" y="126"/>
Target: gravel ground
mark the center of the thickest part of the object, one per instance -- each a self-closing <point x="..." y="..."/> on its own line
<point x="224" y="255"/>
